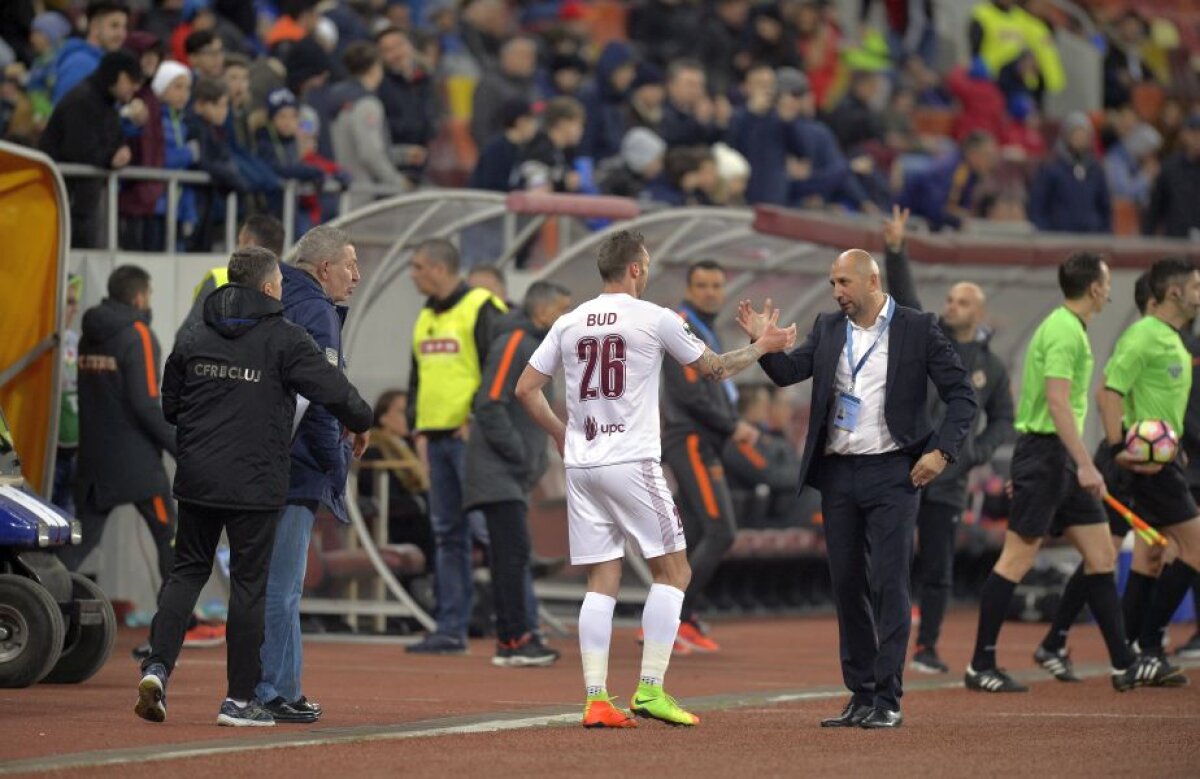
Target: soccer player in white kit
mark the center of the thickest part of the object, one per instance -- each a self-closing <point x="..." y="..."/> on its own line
<point x="611" y="350"/>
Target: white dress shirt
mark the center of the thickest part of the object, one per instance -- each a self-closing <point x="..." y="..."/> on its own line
<point x="871" y="436"/>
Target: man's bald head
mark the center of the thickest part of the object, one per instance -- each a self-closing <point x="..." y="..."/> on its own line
<point x="966" y="305"/>
<point x="855" y="281"/>
<point x="859" y="261"/>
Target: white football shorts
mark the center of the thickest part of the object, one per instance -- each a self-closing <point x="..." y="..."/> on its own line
<point x="611" y="503"/>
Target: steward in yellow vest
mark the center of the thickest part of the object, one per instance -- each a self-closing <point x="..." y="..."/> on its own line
<point x="1001" y="31"/>
<point x="451" y="337"/>
<point x="216" y="277"/>
<point x="450" y="341"/>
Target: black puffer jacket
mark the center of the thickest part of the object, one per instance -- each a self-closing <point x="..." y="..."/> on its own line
<point x="230" y="388"/>
<point x="122" y="434"/>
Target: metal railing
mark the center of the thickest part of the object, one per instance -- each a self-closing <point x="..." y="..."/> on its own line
<point x="175" y="179"/>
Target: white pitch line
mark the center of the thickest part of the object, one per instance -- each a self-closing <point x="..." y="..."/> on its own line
<point x="1092" y="715"/>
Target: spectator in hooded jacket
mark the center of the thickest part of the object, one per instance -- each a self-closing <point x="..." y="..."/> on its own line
<point x="408" y="96"/>
<point x="1070" y="191"/>
<point x="78" y="58"/>
<point x="317" y="284"/>
<point x="47" y="32"/>
<point x="506" y="456"/>
<point x="122" y="434"/>
<point x="275" y="143"/>
<point x="86" y="128"/>
<point x="361" y="144"/>
<point x="604" y="102"/>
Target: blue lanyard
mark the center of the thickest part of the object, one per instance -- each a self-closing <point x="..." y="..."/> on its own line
<point x="856" y="367"/>
<point x="709" y="337"/>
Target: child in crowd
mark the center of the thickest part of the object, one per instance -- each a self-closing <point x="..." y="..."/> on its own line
<point x="207" y="124"/>
<point x="172" y="85"/>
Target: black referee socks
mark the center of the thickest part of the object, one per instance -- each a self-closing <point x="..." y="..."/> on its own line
<point x="1139" y="594"/>
<point x="1168" y="594"/>
<point x="993" y="606"/>
<point x="1074" y="598"/>
<point x="1106" y="608"/>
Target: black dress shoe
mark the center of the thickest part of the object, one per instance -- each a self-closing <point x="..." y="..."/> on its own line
<point x="851" y="717"/>
<point x="283" y="711"/>
<point x="883" y="718"/>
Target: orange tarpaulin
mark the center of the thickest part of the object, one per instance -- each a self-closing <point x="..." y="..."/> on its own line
<point x="33" y="238"/>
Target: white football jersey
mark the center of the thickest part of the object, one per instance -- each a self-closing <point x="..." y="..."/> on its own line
<point x="611" y="350"/>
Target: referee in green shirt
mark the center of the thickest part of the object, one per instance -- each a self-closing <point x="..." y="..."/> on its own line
<point x="1056" y="486"/>
<point x="1052" y="654"/>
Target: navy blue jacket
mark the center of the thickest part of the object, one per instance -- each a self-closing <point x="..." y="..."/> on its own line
<point x="918" y="352"/>
<point x="498" y="166"/>
<point x="831" y="179"/>
<point x="605" y="106"/>
<point x="766" y="141"/>
<point x="930" y="192"/>
<point x="320" y="455"/>
<point x="681" y="129"/>
<point x="1063" y="202"/>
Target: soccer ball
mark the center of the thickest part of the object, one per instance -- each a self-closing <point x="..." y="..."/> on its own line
<point x="1152" y="441"/>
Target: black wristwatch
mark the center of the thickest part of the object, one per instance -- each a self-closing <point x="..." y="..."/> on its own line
<point x="945" y="456"/>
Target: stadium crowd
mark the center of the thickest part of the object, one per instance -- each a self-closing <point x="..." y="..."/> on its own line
<point x="669" y="101"/>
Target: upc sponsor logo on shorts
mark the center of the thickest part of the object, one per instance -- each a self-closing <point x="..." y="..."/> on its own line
<point x="592" y="429"/>
<point x="208" y="370"/>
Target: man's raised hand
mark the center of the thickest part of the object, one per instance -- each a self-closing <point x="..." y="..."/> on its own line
<point x="752" y="322"/>
<point x="893" y="229"/>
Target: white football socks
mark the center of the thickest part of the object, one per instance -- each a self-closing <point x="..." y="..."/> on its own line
<point x="660" y="623"/>
<point x="595" y="635"/>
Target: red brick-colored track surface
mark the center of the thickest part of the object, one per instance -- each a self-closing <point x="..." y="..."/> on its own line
<point x="760" y="699"/>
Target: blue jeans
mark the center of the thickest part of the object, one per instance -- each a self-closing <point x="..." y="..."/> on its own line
<point x="281" y="653"/>
<point x="452" y="533"/>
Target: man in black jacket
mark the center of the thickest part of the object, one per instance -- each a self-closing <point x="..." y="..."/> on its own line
<point x="506" y="457"/>
<point x="870" y="449"/>
<point x="700" y="416"/>
<point x="230" y="388"/>
<point x="1172" y="210"/>
<point x="943" y="501"/>
<point x="86" y="128"/>
<point x="122" y="433"/>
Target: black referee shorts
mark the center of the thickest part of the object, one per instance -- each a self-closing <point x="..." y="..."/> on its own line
<point x="1162" y="499"/>
<point x="1047" y="497"/>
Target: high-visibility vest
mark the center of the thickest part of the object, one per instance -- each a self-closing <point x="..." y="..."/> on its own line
<point x="448" y="361"/>
<point x="1007" y="34"/>
<point x="218" y="276"/>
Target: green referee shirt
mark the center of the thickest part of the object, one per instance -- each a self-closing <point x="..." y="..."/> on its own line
<point x="1059" y="350"/>
<point x="1152" y="368"/>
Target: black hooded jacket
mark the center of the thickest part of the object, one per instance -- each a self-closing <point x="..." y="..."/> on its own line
<point x="230" y="388"/>
<point x="122" y="434"/>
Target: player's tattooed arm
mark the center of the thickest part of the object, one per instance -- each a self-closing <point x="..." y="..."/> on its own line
<point x="770" y="338"/>
<point x="718" y="367"/>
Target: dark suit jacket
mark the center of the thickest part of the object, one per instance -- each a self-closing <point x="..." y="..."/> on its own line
<point x="918" y="352"/>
